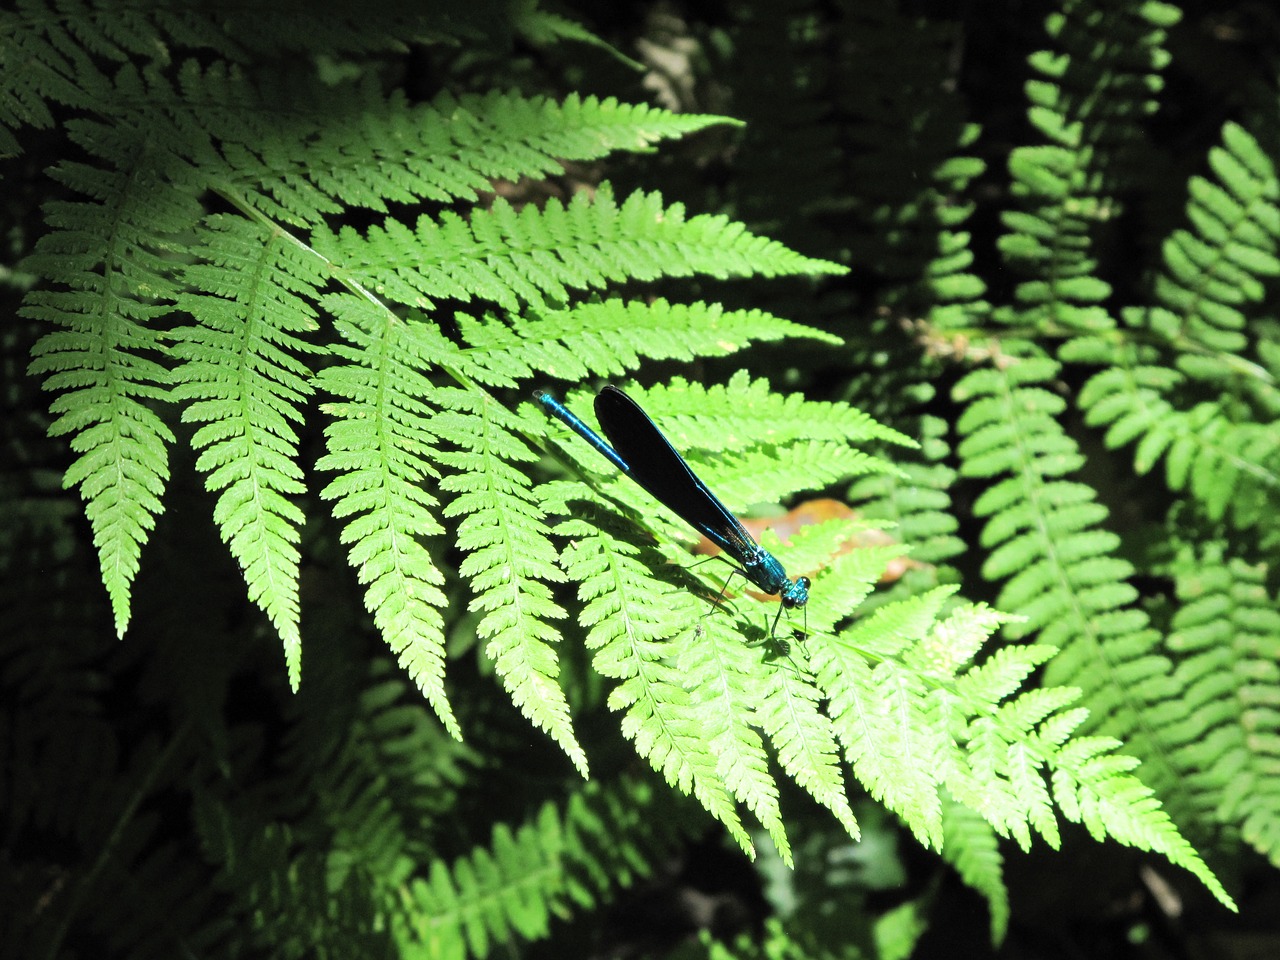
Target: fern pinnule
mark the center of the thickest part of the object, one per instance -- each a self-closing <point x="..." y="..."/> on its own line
<point x="243" y="374"/>
<point x="747" y="409"/>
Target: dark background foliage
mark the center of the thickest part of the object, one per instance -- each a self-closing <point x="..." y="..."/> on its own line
<point x="134" y="768"/>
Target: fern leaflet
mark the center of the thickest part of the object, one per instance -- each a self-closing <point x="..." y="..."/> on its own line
<point x="380" y="444"/>
<point x="242" y="371"/>
<point x="607" y="338"/>
<point x="509" y="556"/>
<point x="104" y="251"/>
<point x="534" y="256"/>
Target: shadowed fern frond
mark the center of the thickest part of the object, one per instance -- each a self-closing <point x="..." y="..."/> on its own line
<point x="1223" y="725"/>
<point x="1097" y="80"/>
<point x="1192" y="396"/>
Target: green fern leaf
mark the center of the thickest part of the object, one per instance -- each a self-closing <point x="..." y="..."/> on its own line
<point x="241" y="369"/>
<point x="102" y="362"/>
<point x="1212" y="273"/>
<point x="603" y="838"/>
<point x="531" y="256"/>
<point x="1231" y="466"/>
<point x="630" y="621"/>
<point x="509" y="556"/>
<point x="381" y="445"/>
<point x="879" y="712"/>
<point x="610" y="337"/>
<point x="1092" y="788"/>
<point x="1102" y="71"/>
<point x="1223" y="727"/>
<point x="721" y="675"/>
<point x="918" y="506"/>
<point x="1075" y="596"/>
<point x="806" y="742"/>
<point x="454" y="148"/>
<point x="970" y="845"/>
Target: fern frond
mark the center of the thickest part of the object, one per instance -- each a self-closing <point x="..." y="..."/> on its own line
<point x="1212" y="272"/>
<point x="1045" y="536"/>
<point x="516" y="886"/>
<point x="104" y="252"/>
<point x="971" y="846"/>
<point x="380" y="771"/>
<point x="509" y="556"/>
<point x="531" y="256"/>
<point x="372" y="150"/>
<point x="49" y="59"/>
<point x="1223" y="727"/>
<point x="382" y="446"/>
<point x="1101" y="76"/>
<point x="1218" y="450"/>
<point x="243" y="371"/>
<point x="608" y="338"/>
